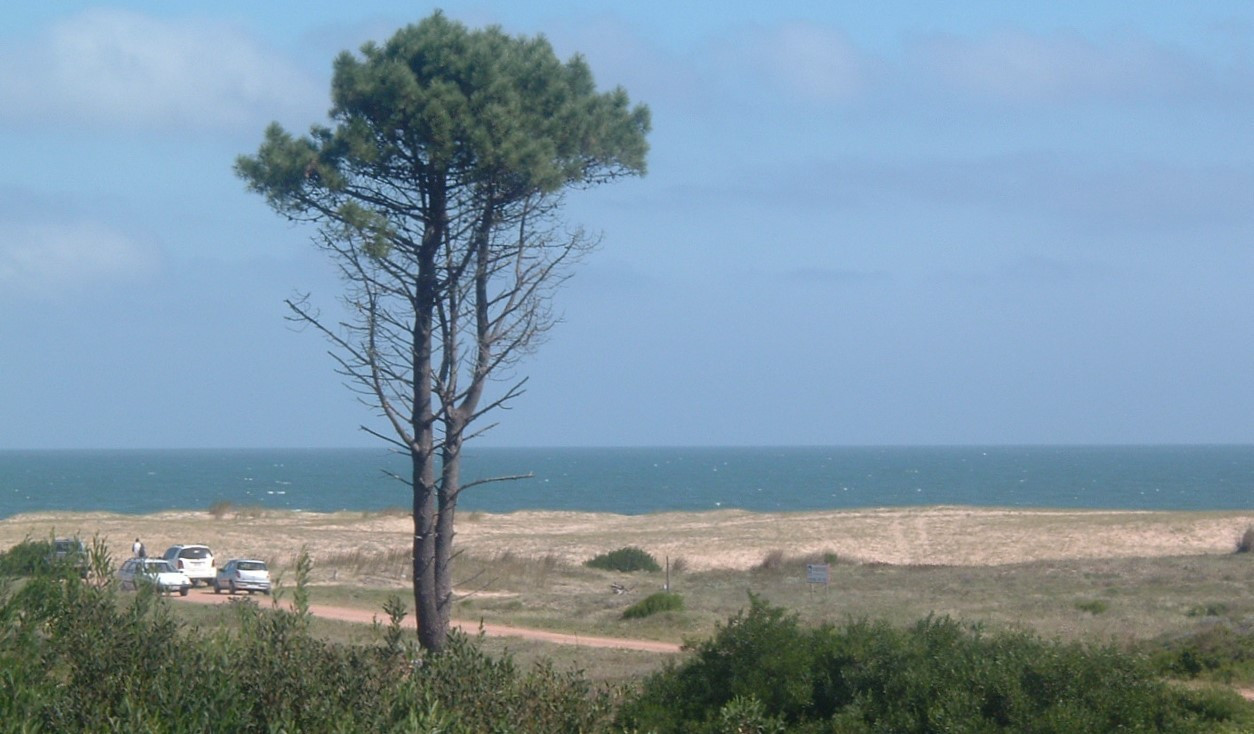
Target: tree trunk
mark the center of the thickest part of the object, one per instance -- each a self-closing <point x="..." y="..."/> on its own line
<point x="432" y="632"/>
<point x="432" y="626"/>
<point x="450" y="484"/>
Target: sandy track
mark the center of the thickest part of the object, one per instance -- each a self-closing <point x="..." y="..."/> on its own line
<point x="362" y="616"/>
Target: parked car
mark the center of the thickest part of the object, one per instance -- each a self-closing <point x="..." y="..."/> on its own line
<point x="242" y="574"/>
<point x="155" y="571"/>
<point x="194" y="560"/>
<point x="71" y="553"/>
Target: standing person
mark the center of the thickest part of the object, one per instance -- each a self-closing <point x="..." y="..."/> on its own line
<point x="137" y="549"/>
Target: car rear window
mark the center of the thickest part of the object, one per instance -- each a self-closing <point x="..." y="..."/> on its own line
<point x="194" y="553"/>
<point x="251" y="566"/>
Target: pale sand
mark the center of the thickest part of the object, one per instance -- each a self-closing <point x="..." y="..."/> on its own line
<point x="730" y="539"/>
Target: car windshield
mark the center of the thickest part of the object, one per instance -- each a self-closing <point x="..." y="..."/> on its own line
<point x="197" y="552"/>
<point x="158" y="567"/>
<point x="251" y="566"/>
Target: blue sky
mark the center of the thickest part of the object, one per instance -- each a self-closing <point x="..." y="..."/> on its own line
<point x="863" y="223"/>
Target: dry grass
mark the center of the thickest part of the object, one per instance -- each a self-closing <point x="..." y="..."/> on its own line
<point x="1151" y="571"/>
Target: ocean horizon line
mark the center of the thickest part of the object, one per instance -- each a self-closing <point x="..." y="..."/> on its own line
<point x="606" y="447"/>
<point x="640" y="480"/>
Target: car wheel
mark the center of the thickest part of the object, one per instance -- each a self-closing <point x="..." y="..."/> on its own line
<point x="183" y="591"/>
<point x="232" y="587"/>
<point x="217" y="589"/>
<point x="266" y="592"/>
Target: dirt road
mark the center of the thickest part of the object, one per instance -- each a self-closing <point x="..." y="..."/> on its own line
<point x="362" y="616"/>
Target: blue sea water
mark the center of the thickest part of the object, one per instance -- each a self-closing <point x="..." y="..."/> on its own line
<point x="642" y="480"/>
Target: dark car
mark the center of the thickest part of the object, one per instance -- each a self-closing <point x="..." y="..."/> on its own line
<point x="69" y="553"/>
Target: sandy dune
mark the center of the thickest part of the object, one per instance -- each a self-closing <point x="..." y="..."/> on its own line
<point x="705" y="540"/>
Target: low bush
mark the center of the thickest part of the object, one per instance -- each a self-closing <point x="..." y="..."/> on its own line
<point x="1092" y="606"/>
<point x="628" y="560"/>
<point x="1245" y="543"/>
<point x="763" y="668"/>
<point x="772" y="561"/>
<point x="777" y="561"/>
<point x="25" y="558"/>
<point x="662" y="601"/>
<point x="1218" y="652"/>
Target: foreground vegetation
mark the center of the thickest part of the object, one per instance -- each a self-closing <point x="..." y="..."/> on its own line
<point x="78" y="656"/>
<point x="763" y="672"/>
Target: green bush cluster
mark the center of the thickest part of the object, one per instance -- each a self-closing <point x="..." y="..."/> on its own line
<point x="662" y="601"/>
<point x="26" y="558"/>
<point x="627" y="559"/>
<point x="1219" y="652"/>
<point x="763" y="672"/>
<point x="76" y="657"/>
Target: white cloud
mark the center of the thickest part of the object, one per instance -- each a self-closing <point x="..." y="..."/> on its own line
<point x="804" y="62"/>
<point x="44" y="259"/>
<point x="1020" y="67"/>
<point x="117" y="68"/>
<point x="817" y="63"/>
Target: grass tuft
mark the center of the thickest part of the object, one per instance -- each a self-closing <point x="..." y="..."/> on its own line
<point x="772" y="561"/>
<point x="1245" y="543"/>
<point x="1092" y="606"/>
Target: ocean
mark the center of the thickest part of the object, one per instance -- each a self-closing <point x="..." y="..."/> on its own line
<point x="641" y="480"/>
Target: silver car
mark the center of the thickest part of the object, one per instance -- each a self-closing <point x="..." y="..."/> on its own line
<point x="242" y="574"/>
<point x="156" y="572"/>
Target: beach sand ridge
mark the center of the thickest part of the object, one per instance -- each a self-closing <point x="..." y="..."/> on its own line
<point x="731" y="539"/>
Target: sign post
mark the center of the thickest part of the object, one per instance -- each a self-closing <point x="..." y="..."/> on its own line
<point x="818" y="573"/>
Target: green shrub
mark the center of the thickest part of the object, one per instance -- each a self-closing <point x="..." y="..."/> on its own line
<point x="628" y="560"/>
<point x="1220" y="652"/>
<point x="662" y="601"/>
<point x="25" y="558"/>
<point x="1092" y="606"/>
<point x="938" y="675"/>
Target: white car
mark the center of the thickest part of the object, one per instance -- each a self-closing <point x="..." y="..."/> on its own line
<point x="194" y="560"/>
<point x="242" y="574"/>
<point x="157" y="572"/>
